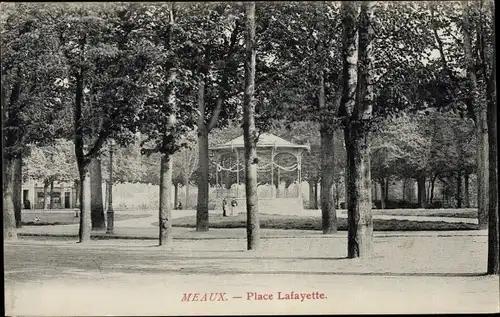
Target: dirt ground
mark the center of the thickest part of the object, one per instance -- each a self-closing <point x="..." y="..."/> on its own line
<point x="408" y="274"/>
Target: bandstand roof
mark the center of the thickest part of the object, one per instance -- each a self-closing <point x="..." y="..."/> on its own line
<point x="266" y="140"/>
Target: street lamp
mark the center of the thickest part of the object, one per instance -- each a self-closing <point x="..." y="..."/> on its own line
<point x="110" y="213"/>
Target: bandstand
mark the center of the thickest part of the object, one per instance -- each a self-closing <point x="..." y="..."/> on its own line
<point x="268" y="147"/>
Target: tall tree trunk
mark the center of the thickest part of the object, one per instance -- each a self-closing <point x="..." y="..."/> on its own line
<point x="45" y="189"/>
<point x="349" y="76"/>
<point x="311" y="193"/>
<point x="328" y="213"/>
<point x="202" y="221"/>
<point x="315" y="206"/>
<point x="466" y="190"/>
<point x="494" y="220"/>
<point x="96" y="205"/>
<point x="404" y="188"/>
<point x="428" y="192"/>
<point x="9" y="217"/>
<point x="360" y="227"/>
<point x="360" y="224"/>
<point x="51" y="195"/>
<point x="479" y="111"/>
<point x="249" y="131"/>
<point x="18" y="189"/>
<point x="386" y="189"/>
<point x="85" y="218"/>
<point x="10" y="138"/>
<point x="443" y="191"/>
<point x="337" y="194"/>
<point x="76" y="184"/>
<point x="346" y="190"/>
<point x="165" y="212"/>
<point x="459" y="189"/>
<point x="359" y="221"/>
<point x="383" y="194"/>
<point x="82" y="160"/>
<point x="176" y="195"/>
<point x="327" y="195"/>
<point x="421" y="191"/>
<point x="433" y="183"/>
<point x="482" y="173"/>
<point x="186" y="181"/>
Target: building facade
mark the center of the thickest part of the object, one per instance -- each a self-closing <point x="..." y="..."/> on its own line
<point x="63" y="196"/>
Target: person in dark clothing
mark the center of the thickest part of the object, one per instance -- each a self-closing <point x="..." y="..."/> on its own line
<point x="224" y="204"/>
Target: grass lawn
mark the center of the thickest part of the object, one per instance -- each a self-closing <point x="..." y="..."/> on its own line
<point x="58" y="218"/>
<point x="268" y="221"/>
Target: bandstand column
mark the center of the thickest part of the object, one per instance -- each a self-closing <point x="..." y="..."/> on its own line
<point x="279" y="181"/>
<point x="217" y="163"/>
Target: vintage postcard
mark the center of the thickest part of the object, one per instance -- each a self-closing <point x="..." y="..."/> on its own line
<point x="249" y="158"/>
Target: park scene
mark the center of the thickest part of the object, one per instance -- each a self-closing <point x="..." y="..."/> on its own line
<point x="222" y="158"/>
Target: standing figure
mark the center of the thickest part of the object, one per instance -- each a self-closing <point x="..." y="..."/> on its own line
<point x="224" y="204"/>
<point x="234" y="203"/>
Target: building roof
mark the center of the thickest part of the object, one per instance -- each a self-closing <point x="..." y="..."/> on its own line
<point x="266" y="140"/>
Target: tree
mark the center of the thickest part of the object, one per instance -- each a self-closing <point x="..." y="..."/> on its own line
<point x="168" y="113"/>
<point x="390" y="147"/>
<point x="356" y="107"/>
<point x="106" y="69"/>
<point x="327" y="135"/>
<point x="96" y="202"/>
<point x="493" y="221"/>
<point x="216" y="58"/>
<point x="249" y="132"/>
<point x="461" y="37"/>
<point x="480" y="115"/>
<point x="129" y="165"/>
<point x="29" y="110"/>
<point x="305" y="72"/>
<point x="51" y="163"/>
<point x="150" y="164"/>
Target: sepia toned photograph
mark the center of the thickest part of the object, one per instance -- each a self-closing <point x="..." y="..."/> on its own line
<point x="249" y="158"/>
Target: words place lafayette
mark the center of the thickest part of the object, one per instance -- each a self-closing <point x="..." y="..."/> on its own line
<point x="252" y="296"/>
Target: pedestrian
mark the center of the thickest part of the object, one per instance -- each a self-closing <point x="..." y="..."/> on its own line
<point x="224" y="204"/>
<point x="234" y="203"/>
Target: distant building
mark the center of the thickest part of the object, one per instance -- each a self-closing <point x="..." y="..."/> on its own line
<point x="63" y="196"/>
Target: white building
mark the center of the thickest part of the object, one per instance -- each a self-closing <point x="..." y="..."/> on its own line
<point x="63" y="196"/>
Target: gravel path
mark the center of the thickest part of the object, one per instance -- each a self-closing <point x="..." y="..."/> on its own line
<point x="118" y="277"/>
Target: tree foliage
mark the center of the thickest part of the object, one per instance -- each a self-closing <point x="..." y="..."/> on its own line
<point x="54" y="162"/>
